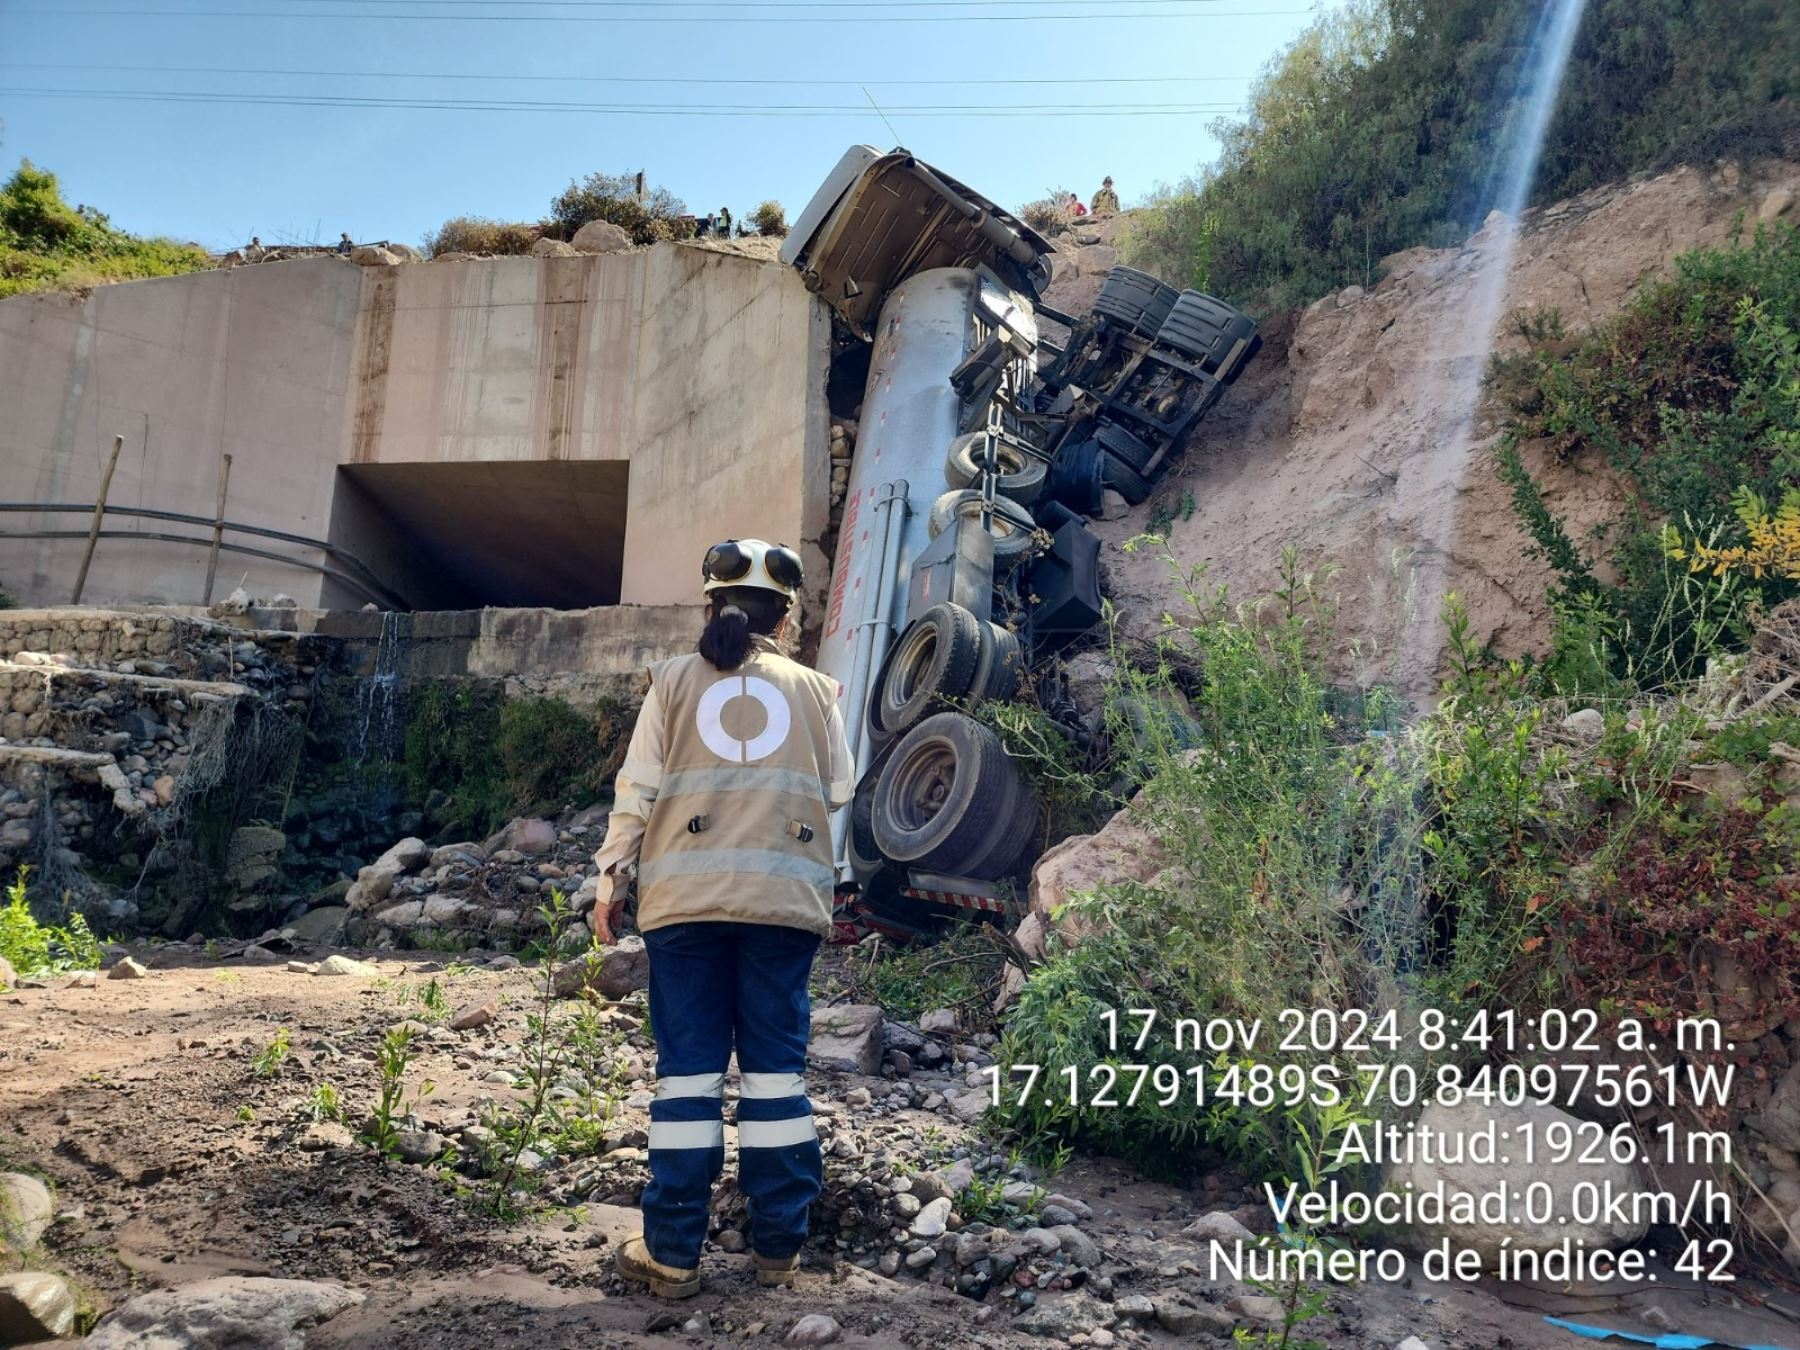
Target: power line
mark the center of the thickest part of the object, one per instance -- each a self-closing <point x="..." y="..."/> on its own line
<point x="747" y="4"/>
<point x="1109" y="16"/>
<point x="621" y="79"/>
<point x="632" y="109"/>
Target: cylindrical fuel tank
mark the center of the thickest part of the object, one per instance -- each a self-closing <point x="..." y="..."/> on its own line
<point x="910" y="414"/>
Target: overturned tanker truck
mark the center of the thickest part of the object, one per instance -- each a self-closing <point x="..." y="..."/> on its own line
<point x="964" y="564"/>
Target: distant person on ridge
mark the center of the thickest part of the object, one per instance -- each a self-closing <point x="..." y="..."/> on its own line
<point x="724" y="222"/>
<point x="344" y="245"/>
<point x="1106" y="201"/>
<point x="1075" y="208"/>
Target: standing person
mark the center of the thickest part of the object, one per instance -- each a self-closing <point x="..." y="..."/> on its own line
<point x="725" y="222"/>
<point x="344" y="246"/>
<point x="737" y="760"/>
<point x="1106" y="201"/>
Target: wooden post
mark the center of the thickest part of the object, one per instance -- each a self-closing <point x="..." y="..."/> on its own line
<point x="212" y="557"/>
<point x="87" y="557"/>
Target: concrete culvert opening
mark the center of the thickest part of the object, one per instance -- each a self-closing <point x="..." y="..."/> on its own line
<point x="525" y="534"/>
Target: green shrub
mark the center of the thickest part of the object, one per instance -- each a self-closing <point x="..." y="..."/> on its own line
<point x="770" y="220"/>
<point x="46" y="244"/>
<point x="613" y="197"/>
<point x="1049" y="214"/>
<point x="1379" y="128"/>
<point x="1690" y="396"/>
<point x="1289" y="850"/>
<point x="478" y="234"/>
<point x="497" y="758"/>
<point x="34" y="948"/>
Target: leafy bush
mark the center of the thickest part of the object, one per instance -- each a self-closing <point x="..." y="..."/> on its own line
<point x="478" y="234"/>
<point x="46" y="244"/>
<point x="1379" y="128"/>
<point x="1049" y="214"/>
<point x="34" y="948"/>
<point x="498" y="758"/>
<point x="1287" y="883"/>
<point x="1690" y="396"/>
<point x="770" y="220"/>
<point x="613" y="197"/>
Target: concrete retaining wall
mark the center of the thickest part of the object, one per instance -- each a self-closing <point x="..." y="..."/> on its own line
<point x="698" y="375"/>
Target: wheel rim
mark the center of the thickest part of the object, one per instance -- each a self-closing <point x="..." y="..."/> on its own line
<point x="911" y="665"/>
<point x="923" y="784"/>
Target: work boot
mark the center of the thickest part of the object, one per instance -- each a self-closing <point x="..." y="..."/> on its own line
<point x="774" y="1271"/>
<point x="634" y="1262"/>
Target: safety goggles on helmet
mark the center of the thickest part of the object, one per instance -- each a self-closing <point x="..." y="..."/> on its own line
<point x="751" y="562"/>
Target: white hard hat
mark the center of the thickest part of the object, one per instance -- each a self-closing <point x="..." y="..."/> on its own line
<point x="752" y="562"/>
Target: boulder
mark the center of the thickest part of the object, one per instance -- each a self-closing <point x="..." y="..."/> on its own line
<point x="1097" y="259"/>
<point x="1478" y="1179"/>
<point x="344" y="965"/>
<point x="373" y="255"/>
<point x="1587" y="723"/>
<point x="847" y="1037"/>
<point x="472" y="1016"/>
<point x="323" y="926"/>
<point x="127" y="968"/>
<point x="35" y="1307"/>
<point x="252" y="856"/>
<point x="939" y="1022"/>
<point x="1123" y="850"/>
<point x="373" y="882"/>
<point x="814" y="1328"/>
<point x="553" y="248"/>
<point x="1218" y="1227"/>
<point x="530" y="837"/>
<point x="26" y="1208"/>
<point x="931" y="1220"/>
<point x="600" y="236"/>
<point x="231" y="1311"/>
<point x="1777" y="204"/>
<point x="611" y="972"/>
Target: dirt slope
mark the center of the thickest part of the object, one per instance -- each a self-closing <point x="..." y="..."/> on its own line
<point x="1335" y="438"/>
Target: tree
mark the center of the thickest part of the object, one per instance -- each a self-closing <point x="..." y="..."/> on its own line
<point x="614" y="197"/>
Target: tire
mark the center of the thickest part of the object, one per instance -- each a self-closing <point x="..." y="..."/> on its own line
<point x="951" y="800"/>
<point x="932" y="664"/>
<point x="1128" y="448"/>
<point x="1013" y="525"/>
<point x="1216" y="337"/>
<point x="1134" y="300"/>
<point x="1021" y="475"/>
<point x="1002" y="658"/>
<point x="862" y="814"/>
<point x="997" y="673"/>
<point x="1126" y="481"/>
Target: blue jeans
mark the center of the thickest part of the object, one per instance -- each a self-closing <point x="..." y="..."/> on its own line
<point x="711" y="984"/>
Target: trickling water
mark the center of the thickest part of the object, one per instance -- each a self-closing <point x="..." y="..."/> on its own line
<point x="1439" y="474"/>
<point x="378" y="696"/>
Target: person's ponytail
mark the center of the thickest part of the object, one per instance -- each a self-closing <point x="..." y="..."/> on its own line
<point x="725" y="642"/>
<point x="739" y="613"/>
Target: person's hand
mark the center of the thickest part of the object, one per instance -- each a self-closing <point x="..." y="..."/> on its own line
<point x="607" y="919"/>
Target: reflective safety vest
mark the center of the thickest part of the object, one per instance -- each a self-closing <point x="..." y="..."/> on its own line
<point x="740" y="830"/>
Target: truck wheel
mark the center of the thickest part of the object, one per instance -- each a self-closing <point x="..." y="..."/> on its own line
<point x="1218" y="338"/>
<point x="997" y="674"/>
<point x="951" y="800"/>
<point x="1126" y="481"/>
<point x="1130" y="449"/>
<point x="933" y="663"/>
<point x="1021" y="475"/>
<point x="862" y="822"/>
<point x="1134" y="300"/>
<point x="1013" y="525"/>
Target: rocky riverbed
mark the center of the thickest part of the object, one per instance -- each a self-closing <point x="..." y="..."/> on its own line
<point x="196" y="1180"/>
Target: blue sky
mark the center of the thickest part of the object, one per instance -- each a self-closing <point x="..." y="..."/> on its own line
<point x="220" y="172"/>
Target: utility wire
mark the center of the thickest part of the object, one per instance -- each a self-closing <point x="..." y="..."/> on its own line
<point x="961" y="81"/>
<point x="1108" y="16"/>
<point x="633" y="109"/>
